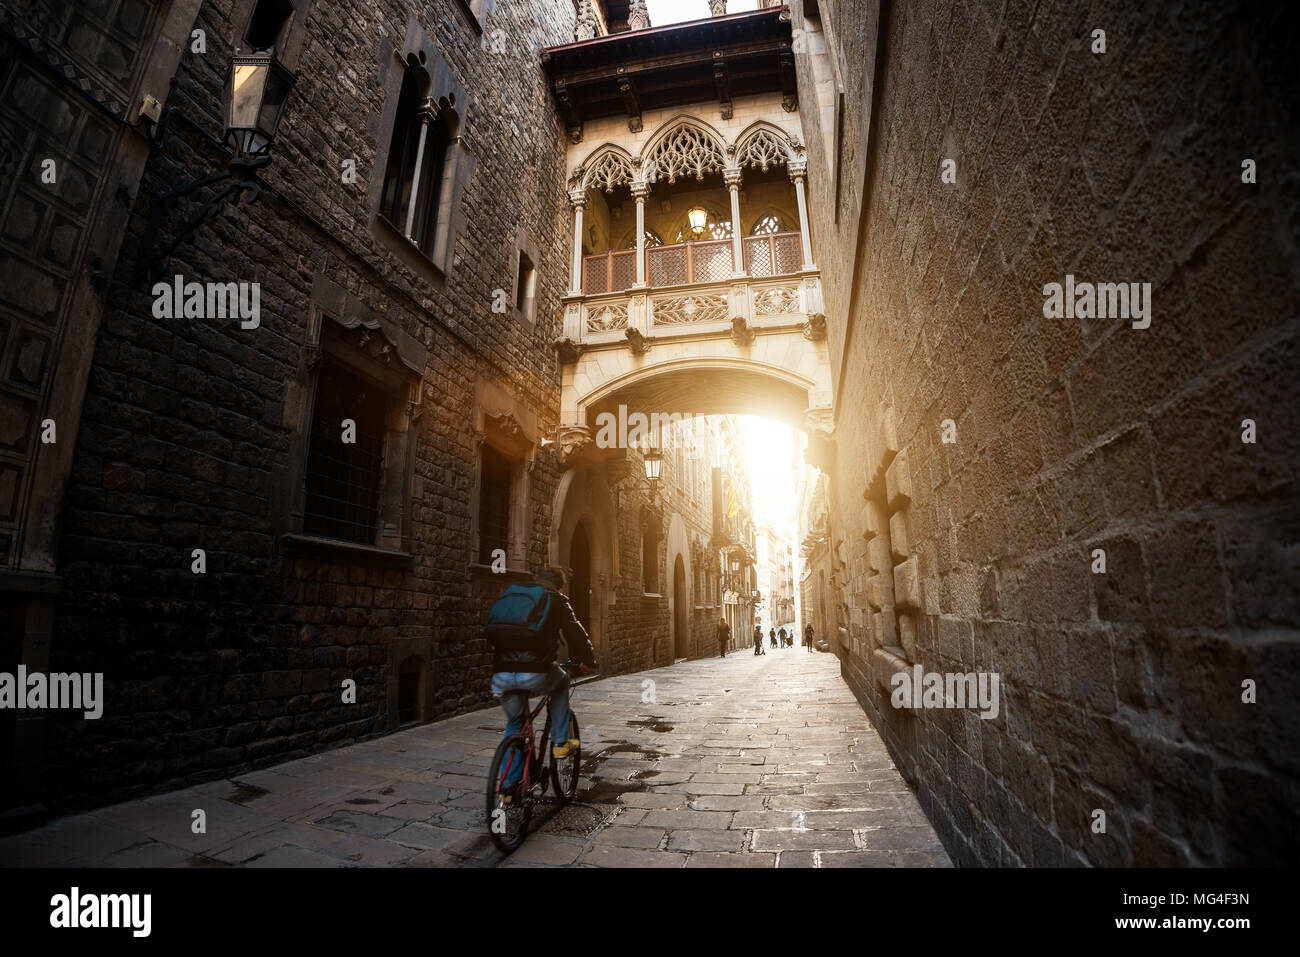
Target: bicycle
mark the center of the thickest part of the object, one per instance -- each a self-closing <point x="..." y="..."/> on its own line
<point x="510" y="809"/>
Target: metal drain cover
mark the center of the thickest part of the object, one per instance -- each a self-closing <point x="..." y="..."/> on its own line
<point x="574" y="819"/>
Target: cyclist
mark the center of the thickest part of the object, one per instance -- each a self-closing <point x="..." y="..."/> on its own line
<point x="525" y="662"/>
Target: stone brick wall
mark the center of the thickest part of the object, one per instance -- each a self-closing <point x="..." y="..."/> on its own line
<point x="1121" y="691"/>
<point x="183" y="432"/>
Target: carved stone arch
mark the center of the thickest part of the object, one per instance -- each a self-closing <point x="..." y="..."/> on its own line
<point x="764" y="145"/>
<point x="606" y="167"/>
<point x="685" y="145"/>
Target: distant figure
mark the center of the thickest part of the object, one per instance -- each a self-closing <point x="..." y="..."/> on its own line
<point x="724" y="636"/>
<point x="758" y="640"/>
<point x="773" y="634"/>
<point x="780" y="634"/>
<point x="808" y="636"/>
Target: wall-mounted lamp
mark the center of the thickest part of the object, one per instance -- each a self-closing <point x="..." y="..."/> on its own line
<point x="256" y="90"/>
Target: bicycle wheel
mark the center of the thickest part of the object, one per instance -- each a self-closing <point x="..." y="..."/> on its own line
<point x="564" y="771"/>
<point x="507" y="824"/>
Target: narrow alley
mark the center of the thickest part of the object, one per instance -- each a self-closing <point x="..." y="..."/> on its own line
<point x="751" y="761"/>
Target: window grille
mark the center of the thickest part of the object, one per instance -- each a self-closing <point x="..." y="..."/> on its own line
<point x="343" y="480"/>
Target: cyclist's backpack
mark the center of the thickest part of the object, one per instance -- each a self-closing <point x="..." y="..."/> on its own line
<point x="521" y="606"/>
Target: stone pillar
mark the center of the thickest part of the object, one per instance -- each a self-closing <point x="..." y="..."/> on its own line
<point x="639" y="192"/>
<point x="732" y="178"/>
<point x="797" y="172"/>
<point x="578" y="198"/>
<point x="427" y="111"/>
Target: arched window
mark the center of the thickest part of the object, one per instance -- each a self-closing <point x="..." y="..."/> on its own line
<point x="714" y="228"/>
<point x="772" y="222"/>
<point x="417" y="159"/>
<point x="651" y="239"/>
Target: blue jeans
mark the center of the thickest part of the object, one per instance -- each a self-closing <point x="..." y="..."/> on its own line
<point x="555" y="682"/>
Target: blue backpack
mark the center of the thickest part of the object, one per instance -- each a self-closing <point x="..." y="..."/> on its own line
<point x="521" y="606"/>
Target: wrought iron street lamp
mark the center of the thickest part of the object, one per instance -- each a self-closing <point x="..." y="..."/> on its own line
<point x="256" y="90"/>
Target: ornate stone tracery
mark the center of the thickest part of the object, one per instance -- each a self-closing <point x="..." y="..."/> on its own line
<point x="763" y="149"/>
<point x="609" y="170"/>
<point x="687" y="150"/>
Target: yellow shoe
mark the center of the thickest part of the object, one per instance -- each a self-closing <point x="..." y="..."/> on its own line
<point x="560" y="751"/>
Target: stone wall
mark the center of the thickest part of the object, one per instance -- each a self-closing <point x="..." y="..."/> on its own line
<point x="186" y="436"/>
<point x="1068" y="437"/>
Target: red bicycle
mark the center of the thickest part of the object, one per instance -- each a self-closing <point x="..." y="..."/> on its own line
<point x="510" y="809"/>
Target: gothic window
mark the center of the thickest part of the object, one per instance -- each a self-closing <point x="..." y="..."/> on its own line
<point x="772" y="222"/>
<point x="413" y="198"/>
<point x="714" y="228"/>
<point x="345" y="461"/>
<point x="525" y="280"/>
<point x="685" y="151"/>
<point x="651" y="239"/>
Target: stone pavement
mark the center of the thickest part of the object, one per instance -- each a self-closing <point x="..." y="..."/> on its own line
<point x="745" y="762"/>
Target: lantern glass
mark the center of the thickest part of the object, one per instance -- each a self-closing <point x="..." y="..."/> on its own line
<point x="698" y="218"/>
<point x="653" y="461"/>
<point x="255" y="98"/>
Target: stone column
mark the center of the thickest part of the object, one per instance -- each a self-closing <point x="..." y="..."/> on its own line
<point x="427" y="111"/>
<point x="578" y="198"/>
<point x="797" y="172"/>
<point x="639" y="192"/>
<point x="732" y="178"/>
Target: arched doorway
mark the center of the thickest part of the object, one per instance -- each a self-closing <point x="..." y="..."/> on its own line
<point x="681" y="621"/>
<point x="580" y="566"/>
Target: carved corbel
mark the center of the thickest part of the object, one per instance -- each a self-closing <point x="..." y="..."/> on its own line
<point x="637" y="342"/>
<point x="814" y="330"/>
<point x="741" y="334"/>
<point x="568" y="350"/>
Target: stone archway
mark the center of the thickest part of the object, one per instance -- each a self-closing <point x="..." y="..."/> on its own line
<point x="583" y="515"/>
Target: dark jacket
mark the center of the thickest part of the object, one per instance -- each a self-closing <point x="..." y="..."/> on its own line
<point x="724" y="631"/>
<point x="519" y="649"/>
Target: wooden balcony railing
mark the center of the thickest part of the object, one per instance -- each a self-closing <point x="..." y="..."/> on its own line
<point x="683" y="264"/>
<point x="776" y="254"/>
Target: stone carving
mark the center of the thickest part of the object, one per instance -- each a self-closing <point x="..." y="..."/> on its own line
<point x="741" y="334"/>
<point x="763" y="149"/>
<point x="573" y="444"/>
<point x="814" y="330"/>
<point x="505" y="423"/>
<point x="607" y="317"/>
<point x="609" y="170"/>
<point x="586" y="21"/>
<point x="717" y="8"/>
<point x="637" y="342"/>
<point x="778" y="301"/>
<point x="638" y="18"/>
<point x="678" y="309"/>
<point x="568" y="350"/>
<point x="686" y="151"/>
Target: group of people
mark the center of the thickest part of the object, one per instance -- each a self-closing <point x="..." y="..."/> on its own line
<point x="778" y="637"/>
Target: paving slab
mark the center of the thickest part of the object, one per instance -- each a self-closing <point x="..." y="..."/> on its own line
<point x="739" y="762"/>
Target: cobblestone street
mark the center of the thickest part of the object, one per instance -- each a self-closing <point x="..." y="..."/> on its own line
<point x="748" y="762"/>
